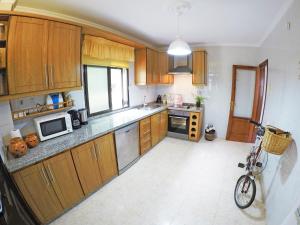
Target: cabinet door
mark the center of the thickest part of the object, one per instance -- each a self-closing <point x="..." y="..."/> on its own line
<point x="38" y="192"/>
<point x="155" y="69"/>
<point x="199" y="68"/>
<point x="164" y="124"/>
<point x="106" y="155"/>
<point x="150" y="66"/>
<point x="165" y="78"/>
<point x="140" y="65"/>
<point x="86" y="164"/>
<point x="62" y="174"/>
<point x="64" y="55"/>
<point x="27" y="55"/>
<point x="155" y="129"/>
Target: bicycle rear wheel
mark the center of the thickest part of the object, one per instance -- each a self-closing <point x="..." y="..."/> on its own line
<point x="245" y="191"/>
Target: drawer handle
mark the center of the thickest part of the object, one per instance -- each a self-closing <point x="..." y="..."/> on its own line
<point x="44" y="176"/>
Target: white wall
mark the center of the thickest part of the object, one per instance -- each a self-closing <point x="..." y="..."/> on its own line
<point x="218" y="90"/>
<point x="281" y="179"/>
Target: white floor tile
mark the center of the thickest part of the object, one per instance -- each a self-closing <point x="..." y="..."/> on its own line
<point x="176" y="183"/>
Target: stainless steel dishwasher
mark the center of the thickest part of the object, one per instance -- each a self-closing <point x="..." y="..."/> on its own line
<point x="127" y="144"/>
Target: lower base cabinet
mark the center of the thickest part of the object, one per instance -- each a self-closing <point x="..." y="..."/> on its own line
<point x="86" y="163"/>
<point x="155" y="129"/>
<point x="195" y="126"/>
<point x="50" y="187"/>
<point x="95" y="162"/>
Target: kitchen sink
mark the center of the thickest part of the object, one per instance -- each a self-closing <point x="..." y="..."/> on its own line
<point x="148" y="107"/>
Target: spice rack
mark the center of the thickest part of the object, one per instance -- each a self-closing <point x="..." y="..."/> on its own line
<point x="40" y="110"/>
<point x="3" y="44"/>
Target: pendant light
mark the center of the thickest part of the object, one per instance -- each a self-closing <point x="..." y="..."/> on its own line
<point x="179" y="46"/>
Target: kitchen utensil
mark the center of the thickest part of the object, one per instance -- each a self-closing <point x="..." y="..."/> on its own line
<point x="83" y="116"/>
<point x="17" y="147"/>
<point x="75" y="117"/>
<point x="32" y="140"/>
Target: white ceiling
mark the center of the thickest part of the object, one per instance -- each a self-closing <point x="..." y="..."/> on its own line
<point x="220" y="22"/>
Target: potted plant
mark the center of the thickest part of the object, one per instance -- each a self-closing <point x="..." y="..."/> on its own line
<point x="199" y="100"/>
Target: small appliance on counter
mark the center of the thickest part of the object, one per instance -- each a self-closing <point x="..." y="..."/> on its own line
<point x="158" y="100"/>
<point x="75" y="118"/>
<point x="83" y="116"/>
<point x="53" y="125"/>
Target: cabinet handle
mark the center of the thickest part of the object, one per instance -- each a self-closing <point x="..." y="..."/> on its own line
<point x="51" y="174"/>
<point x="44" y="176"/>
<point x="46" y="74"/>
<point x="51" y="74"/>
<point x="93" y="151"/>
<point x="97" y="151"/>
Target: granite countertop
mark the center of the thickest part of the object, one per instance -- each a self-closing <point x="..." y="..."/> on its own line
<point x="95" y="128"/>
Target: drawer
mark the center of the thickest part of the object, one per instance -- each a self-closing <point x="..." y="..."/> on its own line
<point x="145" y="127"/>
<point x="145" y="121"/>
<point x="145" y="146"/>
<point x="145" y="138"/>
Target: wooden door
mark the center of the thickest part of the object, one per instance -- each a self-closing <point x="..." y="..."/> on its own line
<point x="63" y="177"/>
<point x="27" y="55"/>
<point x="34" y="185"/>
<point x="163" y="63"/>
<point x="163" y="124"/>
<point x="150" y="66"/>
<point x="64" y="55"/>
<point x="248" y="91"/>
<point x="155" y="128"/>
<point x="140" y="66"/>
<point x="105" y="149"/>
<point x="199" y="68"/>
<point x="85" y="160"/>
<point x="155" y="64"/>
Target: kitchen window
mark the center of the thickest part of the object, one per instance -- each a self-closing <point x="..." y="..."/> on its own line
<point x="106" y="89"/>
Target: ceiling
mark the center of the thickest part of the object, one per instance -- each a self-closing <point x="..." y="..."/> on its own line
<point x="217" y="22"/>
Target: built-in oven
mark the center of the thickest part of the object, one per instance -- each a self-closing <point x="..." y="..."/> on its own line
<point x="178" y="124"/>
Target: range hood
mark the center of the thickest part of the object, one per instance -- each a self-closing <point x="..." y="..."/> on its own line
<point x="180" y="64"/>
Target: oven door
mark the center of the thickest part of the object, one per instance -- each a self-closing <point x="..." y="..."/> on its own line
<point x="178" y="124"/>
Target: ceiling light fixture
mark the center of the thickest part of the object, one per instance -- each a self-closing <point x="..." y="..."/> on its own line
<point x="179" y="46"/>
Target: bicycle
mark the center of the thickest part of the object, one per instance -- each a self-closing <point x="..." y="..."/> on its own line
<point x="245" y="189"/>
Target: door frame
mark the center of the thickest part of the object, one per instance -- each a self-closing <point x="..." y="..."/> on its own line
<point x="258" y="100"/>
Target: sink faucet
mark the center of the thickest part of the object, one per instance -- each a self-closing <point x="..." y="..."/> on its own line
<point x="145" y="104"/>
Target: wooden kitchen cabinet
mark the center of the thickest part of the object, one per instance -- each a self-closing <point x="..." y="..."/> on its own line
<point x="86" y="163"/>
<point x="155" y="128"/>
<point x="63" y="177"/>
<point x="27" y="55"/>
<point x="106" y="155"/>
<point x="42" y="55"/>
<point x="34" y="184"/>
<point x="64" y="55"/>
<point x="145" y="135"/>
<point x="163" y="124"/>
<point x="151" y="67"/>
<point x="199" y="68"/>
<point x="163" y="60"/>
<point x="195" y="126"/>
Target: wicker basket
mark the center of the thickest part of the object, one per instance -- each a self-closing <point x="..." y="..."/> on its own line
<point x="210" y="136"/>
<point x="276" y="142"/>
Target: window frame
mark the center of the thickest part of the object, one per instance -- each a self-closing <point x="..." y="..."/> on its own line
<point x="109" y="94"/>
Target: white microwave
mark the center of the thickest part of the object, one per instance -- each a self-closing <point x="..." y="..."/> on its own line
<point x="52" y="126"/>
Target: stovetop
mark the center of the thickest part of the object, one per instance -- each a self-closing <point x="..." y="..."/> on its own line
<point x="185" y="106"/>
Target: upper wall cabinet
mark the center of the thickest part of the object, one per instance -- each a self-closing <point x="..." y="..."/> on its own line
<point x="42" y="55"/>
<point x="64" y="55"/>
<point x="199" y="68"/>
<point x="151" y="67"/>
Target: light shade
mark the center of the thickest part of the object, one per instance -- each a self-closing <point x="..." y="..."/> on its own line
<point x="179" y="47"/>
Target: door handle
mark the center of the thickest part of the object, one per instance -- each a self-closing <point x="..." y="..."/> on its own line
<point x="51" y="75"/>
<point x="44" y="176"/>
<point x="46" y="74"/>
<point x="51" y="174"/>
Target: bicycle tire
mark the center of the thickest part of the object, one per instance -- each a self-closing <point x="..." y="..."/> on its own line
<point x="236" y="190"/>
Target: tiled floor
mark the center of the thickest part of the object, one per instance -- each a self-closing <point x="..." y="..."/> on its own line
<point x="176" y="183"/>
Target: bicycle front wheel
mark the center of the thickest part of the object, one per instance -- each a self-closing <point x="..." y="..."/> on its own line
<point x="245" y="191"/>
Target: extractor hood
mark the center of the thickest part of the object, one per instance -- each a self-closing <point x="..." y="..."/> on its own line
<point x="180" y="64"/>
